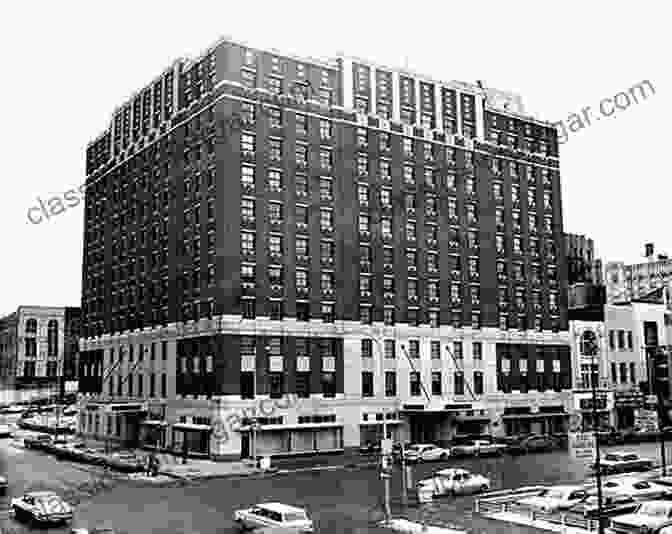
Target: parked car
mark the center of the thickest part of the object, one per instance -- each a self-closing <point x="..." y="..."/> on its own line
<point x="426" y="452"/>
<point x="273" y="515"/>
<point x="39" y="442"/>
<point x="3" y="485"/>
<point x="478" y="448"/>
<point x="370" y="448"/>
<point x="638" y="489"/>
<point x="533" y="443"/>
<point x="456" y="482"/>
<point x="5" y="431"/>
<point x="610" y="436"/>
<point x="9" y="410"/>
<point x="97" y="530"/>
<point x="612" y="504"/>
<point x="556" y="498"/>
<point x="397" y="447"/>
<point x="127" y="463"/>
<point x="41" y="507"/>
<point x="649" y="517"/>
<point x="624" y="462"/>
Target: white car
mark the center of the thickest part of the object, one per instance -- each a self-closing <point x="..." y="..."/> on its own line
<point x="42" y="507"/>
<point x="623" y="462"/>
<point x="556" y="498"/>
<point x="425" y="453"/>
<point x="455" y="482"/>
<point x="636" y="488"/>
<point x="274" y="515"/>
<point x="5" y="431"/>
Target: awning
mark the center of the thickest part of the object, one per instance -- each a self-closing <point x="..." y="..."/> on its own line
<point x="380" y="423"/>
<point x="191" y="426"/>
<point x="304" y="426"/>
<point x="470" y="418"/>
<point x="151" y="422"/>
<point x="538" y="415"/>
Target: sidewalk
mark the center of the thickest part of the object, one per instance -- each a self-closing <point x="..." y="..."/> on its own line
<point x="207" y="469"/>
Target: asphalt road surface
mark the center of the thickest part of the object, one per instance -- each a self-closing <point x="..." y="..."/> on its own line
<point x="344" y="501"/>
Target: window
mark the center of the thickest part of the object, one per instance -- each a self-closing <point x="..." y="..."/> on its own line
<point x="301" y="124"/>
<point x="365" y="315"/>
<point x="414" y="348"/>
<point x="326" y="220"/>
<point x="301" y="183"/>
<point x="621" y="340"/>
<point x="623" y="372"/>
<point x="435" y="350"/>
<point x="277" y="388"/>
<point x="633" y="374"/>
<point x="629" y="340"/>
<point x="367" y="384"/>
<point x="329" y="384"/>
<point x="390" y="384"/>
<point x="275" y="212"/>
<point x="414" y="382"/>
<point x="436" y="383"/>
<point x="247" y="144"/>
<point x="326" y="189"/>
<point x="459" y="383"/>
<point x="367" y="348"/>
<point x="388" y="316"/>
<point x="389" y="349"/>
<point x="325" y="129"/>
<point x="457" y="350"/>
<point x="478" y="383"/>
<point x="325" y="160"/>
<point x="52" y="338"/>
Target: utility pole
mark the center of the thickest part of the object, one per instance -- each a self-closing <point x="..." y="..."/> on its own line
<point x="656" y="355"/>
<point x="595" y="374"/>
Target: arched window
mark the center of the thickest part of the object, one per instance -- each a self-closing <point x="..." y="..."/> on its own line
<point x="52" y="338"/>
<point x="589" y="345"/>
<point x="31" y="326"/>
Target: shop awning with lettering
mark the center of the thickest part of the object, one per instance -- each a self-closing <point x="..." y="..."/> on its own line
<point x="538" y="415"/>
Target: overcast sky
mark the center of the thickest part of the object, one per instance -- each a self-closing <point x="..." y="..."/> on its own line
<point x="68" y="64"/>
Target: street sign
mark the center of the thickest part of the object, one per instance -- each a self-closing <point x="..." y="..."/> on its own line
<point x="386" y="446"/>
<point x="582" y="445"/>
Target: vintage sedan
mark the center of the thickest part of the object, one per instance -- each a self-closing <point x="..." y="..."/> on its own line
<point x="40" y="442"/>
<point x="623" y="462"/>
<point x="654" y="517"/>
<point x="455" y="482"/>
<point x="556" y="498"/>
<point x="5" y="431"/>
<point x="274" y="515"/>
<point x="638" y="489"/>
<point x="41" y="507"/>
<point x="426" y="453"/>
<point x="478" y="447"/>
<point x="612" y="504"/>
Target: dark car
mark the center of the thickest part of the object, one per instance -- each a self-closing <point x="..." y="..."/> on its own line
<point x="39" y="442"/>
<point x="610" y="436"/>
<point x="370" y="448"/>
<point x="533" y="443"/>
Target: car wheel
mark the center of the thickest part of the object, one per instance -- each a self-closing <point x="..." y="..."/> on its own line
<point x="484" y="488"/>
<point x="18" y="513"/>
<point x="444" y="456"/>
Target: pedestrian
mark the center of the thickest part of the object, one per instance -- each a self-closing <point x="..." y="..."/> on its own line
<point x="148" y="465"/>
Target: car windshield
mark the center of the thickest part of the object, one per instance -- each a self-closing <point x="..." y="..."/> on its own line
<point x="659" y="509"/>
<point x="414" y="448"/>
<point x="295" y="516"/>
<point x="612" y="458"/>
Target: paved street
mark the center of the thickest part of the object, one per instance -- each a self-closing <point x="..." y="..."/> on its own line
<point x="341" y="501"/>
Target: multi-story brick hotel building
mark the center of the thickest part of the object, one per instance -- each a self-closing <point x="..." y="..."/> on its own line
<point x="385" y="244"/>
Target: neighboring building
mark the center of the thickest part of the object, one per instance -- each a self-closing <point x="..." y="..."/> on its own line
<point x="627" y="282"/>
<point x="582" y="265"/>
<point x="353" y="235"/>
<point x="33" y="352"/>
